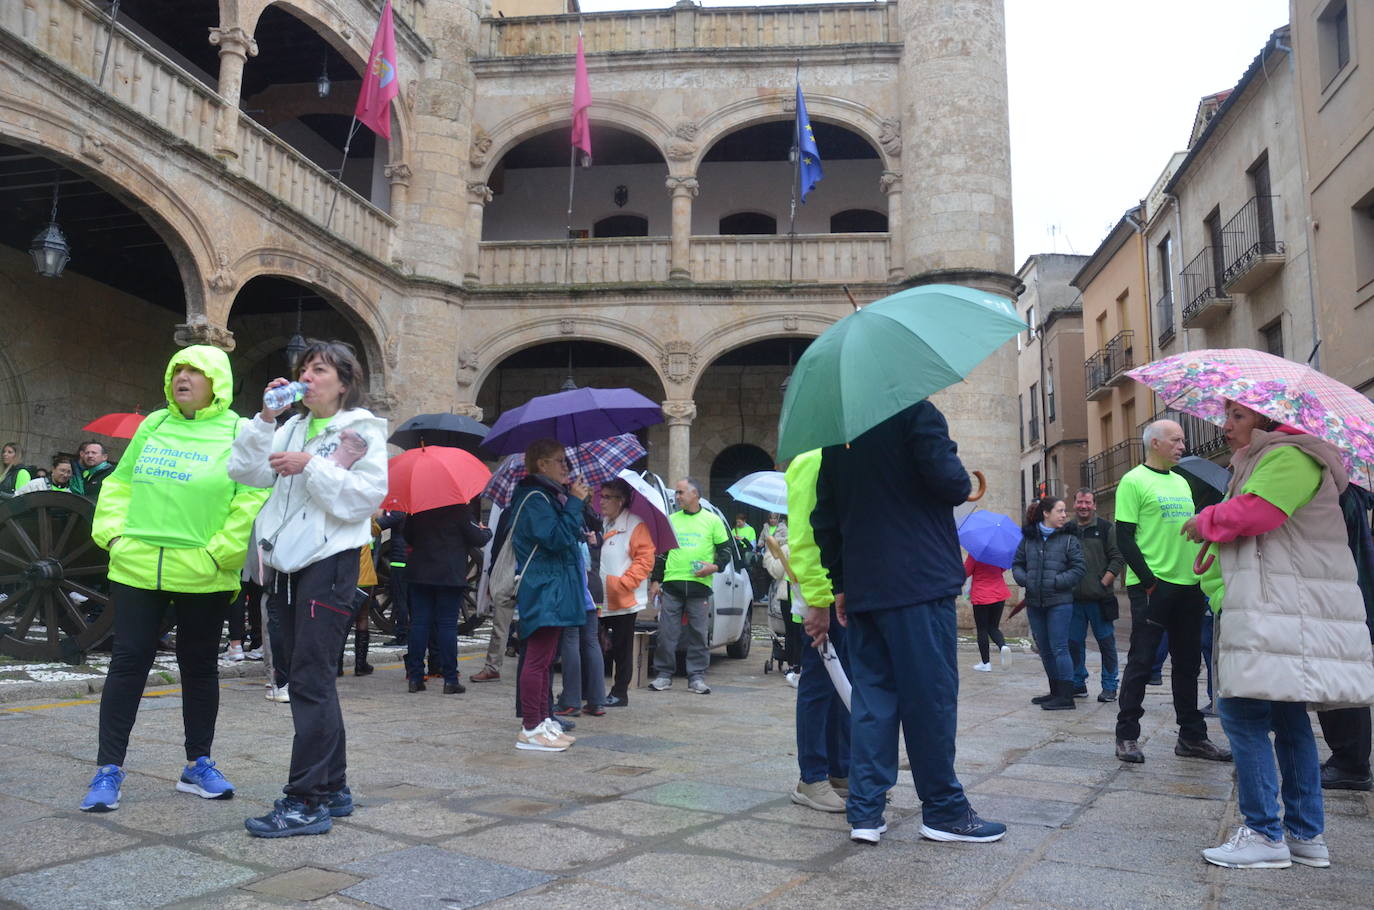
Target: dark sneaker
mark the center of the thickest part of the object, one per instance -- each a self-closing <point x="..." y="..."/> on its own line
<point x="1107" y="696"/>
<point x="1209" y="710"/>
<point x="1202" y="749"/>
<point x="1336" y="779"/>
<point x="1128" y="750"/>
<point x="1157" y="679"/>
<point x="290" y="816"/>
<point x="971" y="830"/>
<point x="103" y="796"/>
<point x="339" y="803"/>
<point x="204" y="780"/>
<point x="454" y="688"/>
<point x="415" y="686"/>
<point x="567" y="712"/>
<point x="594" y="711"/>
<point x="616" y="701"/>
<point x="1080" y="691"/>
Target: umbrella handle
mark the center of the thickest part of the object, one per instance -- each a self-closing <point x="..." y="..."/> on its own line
<point x="982" y="487"/>
<point x="1199" y="565"/>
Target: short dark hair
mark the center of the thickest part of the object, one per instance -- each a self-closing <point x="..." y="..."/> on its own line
<point x="340" y="356"/>
<point x="1089" y="490"/>
<point x="92" y="442"/>
<point x="540" y="449"/>
<point x="64" y="459"/>
<point x="1037" y="512"/>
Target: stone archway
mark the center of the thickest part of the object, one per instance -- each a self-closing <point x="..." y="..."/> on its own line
<point x="729" y="465"/>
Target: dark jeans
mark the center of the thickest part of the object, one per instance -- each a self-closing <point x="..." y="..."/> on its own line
<point x="987" y="619"/>
<point x="247" y="605"/>
<point x="276" y="638"/>
<point x="536" y="664"/>
<point x="137" y="628"/>
<point x="1088" y="613"/>
<point x="433" y="617"/>
<point x="400" y="602"/>
<point x="1175" y="609"/>
<point x="621" y="629"/>
<point x="584" y="667"/>
<point x="1288" y="765"/>
<point x="795" y="643"/>
<point x="822" y="720"/>
<point x="315" y="606"/>
<point x="1050" y="626"/>
<point x="906" y="681"/>
<point x="1347" y="734"/>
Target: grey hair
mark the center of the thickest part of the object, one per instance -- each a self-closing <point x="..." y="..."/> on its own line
<point x="694" y="484"/>
<point x="1152" y="432"/>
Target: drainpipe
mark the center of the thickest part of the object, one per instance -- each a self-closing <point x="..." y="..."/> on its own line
<point x="1178" y="273"/>
<point x="1314" y="359"/>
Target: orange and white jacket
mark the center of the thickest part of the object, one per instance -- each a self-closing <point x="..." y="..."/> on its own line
<point x="627" y="558"/>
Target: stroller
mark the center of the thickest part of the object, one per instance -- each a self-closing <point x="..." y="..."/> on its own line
<point x="784" y="632"/>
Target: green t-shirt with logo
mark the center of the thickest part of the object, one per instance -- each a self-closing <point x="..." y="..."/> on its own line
<point x="745" y="533"/>
<point x="698" y="534"/>
<point x="1158" y="503"/>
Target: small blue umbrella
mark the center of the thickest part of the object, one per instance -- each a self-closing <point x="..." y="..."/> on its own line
<point x="990" y="537"/>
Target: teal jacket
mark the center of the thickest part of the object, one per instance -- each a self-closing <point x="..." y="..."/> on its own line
<point x="553" y="582"/>
<point x="169" y="514"/>
<point x="803" y="553"/>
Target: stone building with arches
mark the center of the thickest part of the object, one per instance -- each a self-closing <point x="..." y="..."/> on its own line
<point x="192" y="146"/>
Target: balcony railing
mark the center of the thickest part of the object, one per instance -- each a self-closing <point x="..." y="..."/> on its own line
<point x="1206" y="300"/>
<point x="1164" y="317"/>
<point x="72" y="33"/>
<point x="1200" y="437"/>
<point x="1103" y="471"/>
<point x="678" y="27"/>
<point x="590" y="261"/>
<point x="1108" y="367"/>
<point x="1253" y="254"/>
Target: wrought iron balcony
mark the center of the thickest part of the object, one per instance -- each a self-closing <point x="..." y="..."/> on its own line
<point x="1253" y="254"/>
<point x="1200" y="437"/>
<point x="1107" y="368"/>
<point x="1103" y="471"/>
<point x="1164" y="317"/>
<point x="1207" y="300"/>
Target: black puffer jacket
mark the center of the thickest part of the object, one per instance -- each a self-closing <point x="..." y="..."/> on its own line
<point x="1048" y="567"/>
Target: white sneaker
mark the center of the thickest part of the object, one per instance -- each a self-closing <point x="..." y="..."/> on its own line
<point x="1248" y="849"/>
<point x="661" y="683"/>
<point x="234" y="653"/>
<point x="280" y="695"/>
<point x="552" y="725"/>
<point x="867" y="835"/>
<point x="983" y="667"/>
<point x="540" y="739"/>
<point x="1006" y="656"/>
<point x="1310" y="852"/>
<point x="792" y="677"/>
<point x="699" y="686"/>
<point x="76" y="599"/>
<point x="255" y="654"/>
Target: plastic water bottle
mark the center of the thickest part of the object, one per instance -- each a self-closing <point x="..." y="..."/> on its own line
<point x="283" y="395"/>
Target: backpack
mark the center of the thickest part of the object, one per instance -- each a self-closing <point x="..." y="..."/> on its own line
<point x="505" y="580"/>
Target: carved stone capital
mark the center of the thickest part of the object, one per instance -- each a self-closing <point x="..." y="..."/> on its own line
<point x="890" y="136"/>
<point x="890" y="182"/>
<point x="398" y="173"/>
<point x="680" y="413"/>
<point x="468" y="409"/>
<point x="481" y="148"/>
<point x="682" y="186"/>
<point x="479" y="193"/>
<point x="678" y="360"/>
<point x="202" y="332"/>
<point x="234" y="41"/>
<point x="681" y="151"/>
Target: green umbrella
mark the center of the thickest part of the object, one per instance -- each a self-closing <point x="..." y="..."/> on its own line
<point x="882" y="359"/>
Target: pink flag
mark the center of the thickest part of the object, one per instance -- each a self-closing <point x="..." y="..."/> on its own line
<point x="582" y="100"/>
<point x="379" y="81"/>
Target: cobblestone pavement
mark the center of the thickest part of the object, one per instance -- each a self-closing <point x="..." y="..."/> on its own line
<point x="678" y="800"/>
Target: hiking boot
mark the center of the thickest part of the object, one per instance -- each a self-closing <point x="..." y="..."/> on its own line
<point x="1309" y="852"/>
<point x="454" y="688"/>
<point x="1063" y="697"/>
<point x="289" y="817"/>
<point x="1107" y="696"/>
<point x="1041" y="699"/>
<point x="204" y="780"/>
<point x="1336" y="779"/>
<point x="1204" y="748"/>
<point x="339" y="803"/>
<point x="487" y="675"/>
<point x="1128" y="750"/>
<point x="103" y="796"/>
<point x="867" y="835"/>
<point x="661" y="683"/>
<point x="415" y="685"/>
<point x="362" y="641"/>
<point x="819" y="796"/>
<point x="1248" y="849"/>
<point x="541" y="739"/>
<point x="972" y="829"/>
<point x="698" y="686"/>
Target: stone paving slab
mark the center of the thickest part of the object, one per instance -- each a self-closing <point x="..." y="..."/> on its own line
<point x="422" y="878"/>
<point x="704" y="797"/>
<point x="106" y="881"/>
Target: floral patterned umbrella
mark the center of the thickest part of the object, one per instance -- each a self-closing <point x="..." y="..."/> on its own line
<point x="1200" y="382"/>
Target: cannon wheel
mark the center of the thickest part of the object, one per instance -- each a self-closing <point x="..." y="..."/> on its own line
<point x="380" y="617"/>
<point x="46" y="553"/>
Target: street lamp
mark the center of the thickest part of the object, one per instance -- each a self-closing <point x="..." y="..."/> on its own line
<point x="322" y="84"/>
<point x="295" y="347"/>
<point x="49" y="248"/>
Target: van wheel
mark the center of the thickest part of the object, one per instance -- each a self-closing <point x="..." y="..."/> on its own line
<point x="739" y="648"/>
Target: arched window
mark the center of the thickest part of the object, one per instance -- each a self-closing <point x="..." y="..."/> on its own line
<point x="858" y="221"/>
<point x="749" y="223"/>
<point x="621" y="226"/>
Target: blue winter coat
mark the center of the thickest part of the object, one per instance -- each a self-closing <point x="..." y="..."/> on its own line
<point x="553" y="581"/>
<point x="1048" y="567"/>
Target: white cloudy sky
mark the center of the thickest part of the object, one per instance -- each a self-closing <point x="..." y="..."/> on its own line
<point x="1102" y="92"/>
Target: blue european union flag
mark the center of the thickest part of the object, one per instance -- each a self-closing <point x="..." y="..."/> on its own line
<point x="810" y="169"/>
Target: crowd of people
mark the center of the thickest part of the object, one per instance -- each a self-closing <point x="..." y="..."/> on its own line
<point x="83" y="473"/>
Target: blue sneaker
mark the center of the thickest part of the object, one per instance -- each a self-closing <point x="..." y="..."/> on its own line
<point x="971" y="830"/>
<point x="104" y="793"/>
<point x="204" y="780"/>
<point x="340" y="803"/>
<point x="290" y="816"/>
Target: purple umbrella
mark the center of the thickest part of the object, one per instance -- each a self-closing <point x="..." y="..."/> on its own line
<point x="572" y="417"/>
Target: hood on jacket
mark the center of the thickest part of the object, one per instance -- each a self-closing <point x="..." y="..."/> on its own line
<point x="214" y="363"/>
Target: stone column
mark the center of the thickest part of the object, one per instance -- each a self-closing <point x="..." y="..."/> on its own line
<point x="235" y="47"/>
<point x="891" y="184"/>
<point x="398" y="175"/>
<point x="682" y="189"/>
<point x="479" y="194"/>
<point x="680" y="414"/>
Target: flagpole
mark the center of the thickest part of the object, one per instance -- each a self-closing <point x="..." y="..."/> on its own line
<point x="338" y="180"/>
<point x="796" y="177"/>
<point x="572" y="179"/>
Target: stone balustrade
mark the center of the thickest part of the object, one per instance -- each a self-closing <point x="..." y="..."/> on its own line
<point x="717" y="27"/>
<point x="74" y="32"/>
<point x="590" y="261"/>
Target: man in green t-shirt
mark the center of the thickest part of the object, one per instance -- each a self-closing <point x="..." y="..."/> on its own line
<point x="1153" y="502"/>
<point x="681" y="582"/>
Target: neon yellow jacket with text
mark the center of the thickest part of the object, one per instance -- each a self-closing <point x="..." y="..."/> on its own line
<point x="805" y="555"/>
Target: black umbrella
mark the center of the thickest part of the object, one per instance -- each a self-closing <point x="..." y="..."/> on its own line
<point x="1207" y="479"/>
<point x="456" y="430"/>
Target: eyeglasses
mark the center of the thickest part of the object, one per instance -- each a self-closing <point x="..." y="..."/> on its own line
<point x="560" y="459"/>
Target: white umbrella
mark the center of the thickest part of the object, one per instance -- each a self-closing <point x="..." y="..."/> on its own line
<point x="765" y="489"/>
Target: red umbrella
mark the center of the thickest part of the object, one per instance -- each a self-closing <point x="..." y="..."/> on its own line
<point x="120" y="426"/>
<point x="432" y="477"/>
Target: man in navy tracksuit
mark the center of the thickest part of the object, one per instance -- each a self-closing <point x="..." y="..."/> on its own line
<point x="885" y="526"/>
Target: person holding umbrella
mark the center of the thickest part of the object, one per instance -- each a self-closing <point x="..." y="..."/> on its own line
<point x="1290" y="630"/>
<point x="988" y="593"/>
<point x="328" y="473"/>
<point x="627" y="559"/>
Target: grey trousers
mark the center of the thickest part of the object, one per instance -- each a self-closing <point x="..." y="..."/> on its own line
<point x="671" y="627"/>
<point x="500" y="630"/>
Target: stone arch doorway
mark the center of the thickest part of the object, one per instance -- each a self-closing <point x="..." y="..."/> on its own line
<point x="547" y="367"/>
<point x="266" y="313"/>
<point x="730" y="465"/>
